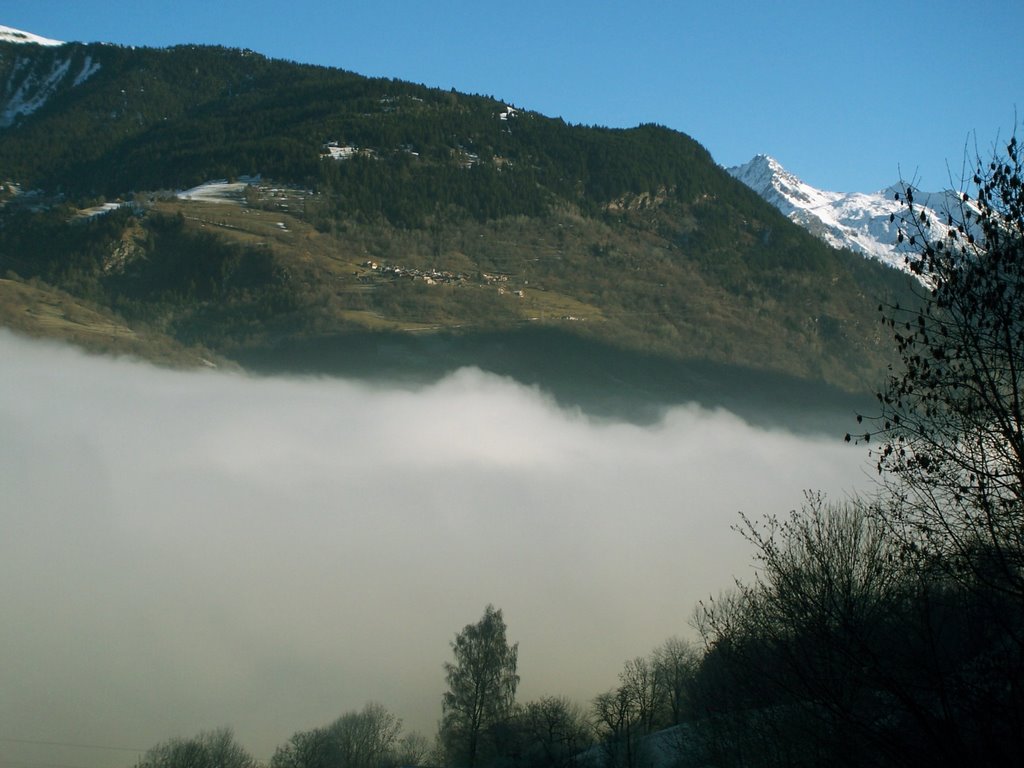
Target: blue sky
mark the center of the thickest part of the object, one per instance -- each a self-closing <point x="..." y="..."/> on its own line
<point x="849" y="96"/>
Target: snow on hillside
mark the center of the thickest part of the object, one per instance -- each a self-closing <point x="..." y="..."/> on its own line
<point x="89" y="68"/>
<point x="858" y="221"/>
<point x="12" y="35"/>
<point x="219" y="191"/>
<point x="34" y="78"/>
<point x="32" y="92"/>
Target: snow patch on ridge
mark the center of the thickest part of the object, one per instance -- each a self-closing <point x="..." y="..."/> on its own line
<point x="12" y="35"/>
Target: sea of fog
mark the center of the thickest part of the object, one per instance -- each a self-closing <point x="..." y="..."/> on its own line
<point x="186" y="550"/>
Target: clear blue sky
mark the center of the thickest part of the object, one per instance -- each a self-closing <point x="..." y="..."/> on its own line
<point x="850" y="96"/>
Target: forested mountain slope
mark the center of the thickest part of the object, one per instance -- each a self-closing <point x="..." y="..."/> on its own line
<point x="365" y="205"/>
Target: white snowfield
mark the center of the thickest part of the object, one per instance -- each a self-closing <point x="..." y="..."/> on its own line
<point x="99" y="210"/>
<point x="12" y="35"/>
<point x="219" y="191"/>
<point x="857" y="221"/>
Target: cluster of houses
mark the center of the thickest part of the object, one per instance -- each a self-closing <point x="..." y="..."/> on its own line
<point x="392" y="103"/>
<point x="501" y="280"/>
<point x="333" y="150"/>
<point x="439" y="276"/>
<point x="429" y="276"/>
<point x="465" y="158"/>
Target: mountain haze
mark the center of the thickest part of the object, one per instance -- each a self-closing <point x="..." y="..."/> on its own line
<point x="351" y="206"/>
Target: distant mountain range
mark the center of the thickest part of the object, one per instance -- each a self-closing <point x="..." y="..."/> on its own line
<point x="857" y="221"/>
<point x="201" y="203"/>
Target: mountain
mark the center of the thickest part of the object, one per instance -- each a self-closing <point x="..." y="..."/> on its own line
<point x="220" y="204"/>
<point x="857" y="221"/>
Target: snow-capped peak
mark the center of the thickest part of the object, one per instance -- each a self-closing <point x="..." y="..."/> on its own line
<point x="766" y="176"/>
<point x="12" y="35"/>
<point x="857" y="221"/>
<point x="763" y="166"/>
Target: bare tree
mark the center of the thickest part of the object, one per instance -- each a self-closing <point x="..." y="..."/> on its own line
<point x="801" y="654"/>
<point x="210" y="749"/>
<point x="555" y="731"/>
<point x="651" y="694"/>
<point x="482" y="683"/>
<point x="618" y="726"/>
<point x="841" y="649"/>
<point x="413" y="749"/>
<point x="952" y="413"/>
<point x="675" y="663"/>
<point x="363" y="739"/>
<point x="639" y="679"/>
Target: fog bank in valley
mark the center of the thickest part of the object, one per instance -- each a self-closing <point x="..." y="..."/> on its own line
<point x="184" y="550"/>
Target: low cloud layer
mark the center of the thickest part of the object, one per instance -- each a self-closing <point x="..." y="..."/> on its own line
<point x="186" y="550"/>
